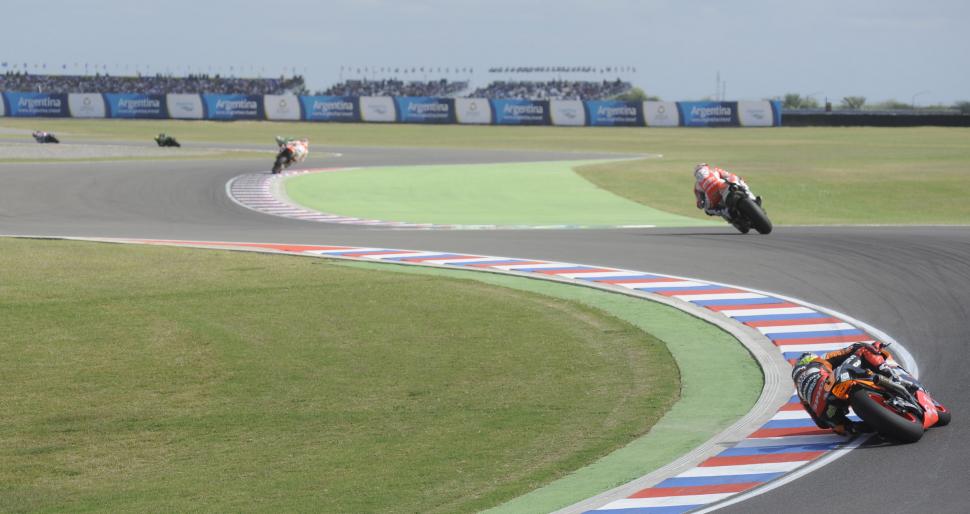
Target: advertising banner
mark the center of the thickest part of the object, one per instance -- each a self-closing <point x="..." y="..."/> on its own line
<point x="709" y="114"/>
<point x="134" y="105"/>
<point x="567" y="112"/>
<point x="661" y="114"/>
<point x="233" y="107"/>
<point x="86" y="105"/>
<point x="330" y="108"/>
<point x="3" y="108"/>
<point x="517" y="111"/>
<point x="759" y="114"/>
<point x="184" y="106"/>
<point x="473" y="111"/>
<point x="425" y="109"/>
<point x="615" y="113"/>
<point x="282" y="107"/>
<point x="47" y="105"/>
<point x="377" y="108"/>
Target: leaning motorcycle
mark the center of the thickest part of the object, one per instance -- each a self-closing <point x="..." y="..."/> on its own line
<point x="290" y="152"/>
<point x="166" y="140"/>
<point x="893" y="404"/>
<point x="745" y="211"/>
<point x="45" y="137"/>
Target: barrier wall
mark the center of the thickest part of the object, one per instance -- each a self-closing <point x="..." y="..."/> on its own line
<point x="567" y="113"/>
<point x="282" y="107"/>
<point x="614" y="113"/>
<point x="185" y="106"/>
<point x="476" y="111"/>
<point x="521" y="112"/>
<point x="401" y="109"/>
<point x="86" y="105"/>
<point x="330" y="108"/>
<point x="31" y="105"/>
<point x="425" y="109"/>
<point x="233" y="107"/>
<point x="128" y="105"/>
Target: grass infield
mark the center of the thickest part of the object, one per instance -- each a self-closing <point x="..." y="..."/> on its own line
<point x="140" y="378"/>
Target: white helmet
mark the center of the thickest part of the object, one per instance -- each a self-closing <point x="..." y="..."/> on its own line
<point x="701" y="171"/>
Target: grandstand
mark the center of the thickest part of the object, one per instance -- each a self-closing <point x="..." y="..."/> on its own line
<point x="149" y="84"/>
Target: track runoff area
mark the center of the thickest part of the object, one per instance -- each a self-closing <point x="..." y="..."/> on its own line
<point x="777" y="442"/>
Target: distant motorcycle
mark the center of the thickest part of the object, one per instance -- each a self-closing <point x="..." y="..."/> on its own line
<point x="745" y="211"/>
<point x="44" y="137"/>
<point x="166" y="140"/>
<point x="290" y="151"/>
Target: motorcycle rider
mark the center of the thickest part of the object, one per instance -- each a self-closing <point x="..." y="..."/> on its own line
<point x="814" y="377"/>
<point x="711" y="187"/>
<point x="291" y="150"/>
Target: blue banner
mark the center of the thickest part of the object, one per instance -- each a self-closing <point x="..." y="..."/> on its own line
<point x="708" y="114"/>
<point x="330" y="108"/>
<point x="233" y="107"/>
<point x="614" y="113"/>
<point x="521" y="112"/>
<point x="48" y="105"/>
<point x="134" y="105"/>
<point x="425" y="109"/>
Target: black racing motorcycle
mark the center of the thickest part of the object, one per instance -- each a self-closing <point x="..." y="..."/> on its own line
<point x="166" y="140"/>
<point x="44" y="137"/>
<point x="745" y="210"/>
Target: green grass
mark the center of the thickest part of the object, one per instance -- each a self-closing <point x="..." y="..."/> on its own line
<point x="549" y="193"/>
<point x="813" y="175"/>
<point x="176" y="380"/>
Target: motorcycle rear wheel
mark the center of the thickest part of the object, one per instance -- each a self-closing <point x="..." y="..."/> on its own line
<point x="871" y="407"/>
<point x="759" y="220"/>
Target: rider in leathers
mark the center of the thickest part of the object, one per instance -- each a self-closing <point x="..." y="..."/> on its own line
<point x="711" y="187"/>
<point x="814" y="378"/>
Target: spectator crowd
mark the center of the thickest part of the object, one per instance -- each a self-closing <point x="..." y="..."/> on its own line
<point x="394" y="87"/>
<point x="149" y="84"/>
<point x="553" y="90"/>
<point x="162" y="84"/>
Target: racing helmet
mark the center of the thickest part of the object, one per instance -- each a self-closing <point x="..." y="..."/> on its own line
<point x="701" y="171"/>
<point x="805" y="358"/>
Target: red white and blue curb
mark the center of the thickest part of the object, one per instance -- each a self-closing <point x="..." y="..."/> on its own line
<point x="764" y="456"/>
<point x="263" y="192"/>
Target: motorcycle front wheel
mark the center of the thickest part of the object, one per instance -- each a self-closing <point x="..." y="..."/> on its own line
<point x="871" y="406"/>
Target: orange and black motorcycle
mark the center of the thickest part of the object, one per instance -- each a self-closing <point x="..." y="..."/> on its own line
<point x="891" y="403"/>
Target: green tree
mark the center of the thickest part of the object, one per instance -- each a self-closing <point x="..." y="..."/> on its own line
<point x="792" y="101"/>
<point x="853" y="102"/>
<point x="963" y="106"/>
<point x="634" y="94"/>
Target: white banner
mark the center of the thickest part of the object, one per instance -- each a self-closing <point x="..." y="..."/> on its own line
<point x="86" y="105"/>
<point x="473" y="111"/>
<point x="755" y="114"/>
<point x="185" y="107"/>
<point x="661" y="114"/>
<point x="377" y="108"/>
<point x="567" y="112"/>
<point x="2" y="108"/>
<point x="282" y="107"/>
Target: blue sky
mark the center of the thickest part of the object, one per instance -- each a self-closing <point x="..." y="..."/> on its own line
<point x="882" y="50"/>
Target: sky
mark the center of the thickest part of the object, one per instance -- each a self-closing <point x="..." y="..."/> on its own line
<point x="910" y="51"/>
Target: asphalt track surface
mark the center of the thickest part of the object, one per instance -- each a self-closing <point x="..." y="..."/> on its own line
<point x="911" y="282"/>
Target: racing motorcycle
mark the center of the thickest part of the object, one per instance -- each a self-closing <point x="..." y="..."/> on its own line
<point x="891" y="402"/>
<point x="745" y="210"/>
<point x="291" y="150"/>
<point x="166" y="140"/>
<point x="44" y="137"/>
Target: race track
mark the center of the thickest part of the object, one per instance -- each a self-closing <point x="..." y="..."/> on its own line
<point x="912" y="282"/>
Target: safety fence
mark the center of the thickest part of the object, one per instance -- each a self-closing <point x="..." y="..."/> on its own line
<point x="397" y="109"/>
